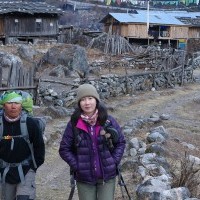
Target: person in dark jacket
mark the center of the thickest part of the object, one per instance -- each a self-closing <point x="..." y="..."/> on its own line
<point x="93" y="145"/>
<point x="16" y="164"/>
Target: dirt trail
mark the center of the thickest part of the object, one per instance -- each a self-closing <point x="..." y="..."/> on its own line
<point x="53" y="176"/>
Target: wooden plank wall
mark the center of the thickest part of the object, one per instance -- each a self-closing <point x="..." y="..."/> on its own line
<point x="18" y="76"/>
<point x="194" y="32"/>
<point x="177" y="32"/>
<point x="137" y="30"/>
<point x="140" y="31"/>
<point x="1" y="27"/>
<point x="26" y="26"/>
<point x="20" y="79"/>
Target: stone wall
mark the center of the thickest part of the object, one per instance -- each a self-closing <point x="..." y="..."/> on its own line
<point x="112" y="85"/>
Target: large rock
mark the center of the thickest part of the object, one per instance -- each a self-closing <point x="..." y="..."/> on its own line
<point x="175" y="193"/>
<point x="73" y="57"/>
<point x="27" y="52"/>
<point x="152" y="188"/>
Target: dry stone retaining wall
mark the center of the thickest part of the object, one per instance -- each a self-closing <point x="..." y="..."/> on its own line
<point x="112" y="85"/>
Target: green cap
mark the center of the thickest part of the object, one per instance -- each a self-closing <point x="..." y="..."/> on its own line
<point x="11" y="97"/>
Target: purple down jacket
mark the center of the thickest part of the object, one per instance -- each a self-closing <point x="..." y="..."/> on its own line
<point x="81" y="157"/>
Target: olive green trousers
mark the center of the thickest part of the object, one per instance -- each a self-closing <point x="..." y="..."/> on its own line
<point x="100" y="191"/>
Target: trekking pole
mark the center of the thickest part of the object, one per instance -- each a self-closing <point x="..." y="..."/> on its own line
<point x="72" y="185"/>
<point x="125" y="187"/>
<point x="122" y="183"/>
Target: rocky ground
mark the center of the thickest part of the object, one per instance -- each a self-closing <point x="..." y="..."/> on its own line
<point x="182" y="104"/>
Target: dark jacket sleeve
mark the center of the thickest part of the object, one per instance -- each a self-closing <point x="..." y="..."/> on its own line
<point x="119" y="146"/>
<point x="67" y="148"/>
<point x="36" y="138"/>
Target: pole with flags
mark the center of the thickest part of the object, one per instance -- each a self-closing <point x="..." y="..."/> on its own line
<point x="147" y="17"/>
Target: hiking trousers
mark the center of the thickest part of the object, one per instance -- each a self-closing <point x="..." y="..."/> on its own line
<point x="20" y="191"/>
<point x="100" y="191"/>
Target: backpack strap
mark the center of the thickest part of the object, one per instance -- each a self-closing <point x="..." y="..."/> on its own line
<point x="25" y="134"/>
<point x="7" y="166"/>
<point x="77" y="137"/>
<point x="1" y="124"/>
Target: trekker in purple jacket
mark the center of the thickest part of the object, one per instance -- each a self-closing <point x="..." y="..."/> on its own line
<point x="92" y="145"/>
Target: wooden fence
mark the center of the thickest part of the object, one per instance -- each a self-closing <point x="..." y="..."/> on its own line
<point x="19" y="78"/>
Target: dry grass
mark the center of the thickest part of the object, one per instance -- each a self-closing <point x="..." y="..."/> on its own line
<point x="186" y="174"/>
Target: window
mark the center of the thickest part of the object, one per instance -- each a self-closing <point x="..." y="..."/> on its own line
<point x="38" y="25"/>
<point x="39" y="20"/>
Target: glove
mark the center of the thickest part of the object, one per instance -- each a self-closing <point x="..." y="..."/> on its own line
<point x="111" y="131"/>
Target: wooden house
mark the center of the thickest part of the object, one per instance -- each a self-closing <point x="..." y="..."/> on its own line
<point x="28" y="21"/>
<point x="144" y="27"/>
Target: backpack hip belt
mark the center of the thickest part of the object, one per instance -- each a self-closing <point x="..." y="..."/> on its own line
<point x="7" y="166"/>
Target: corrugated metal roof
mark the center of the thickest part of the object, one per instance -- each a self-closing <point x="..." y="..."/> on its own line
<point x="154" y="18"/>
<point x="28" y="7"/>
<point x="184" y="14"/>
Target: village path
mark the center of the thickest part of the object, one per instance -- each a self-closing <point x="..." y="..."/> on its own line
<point x="181" y="103"/>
